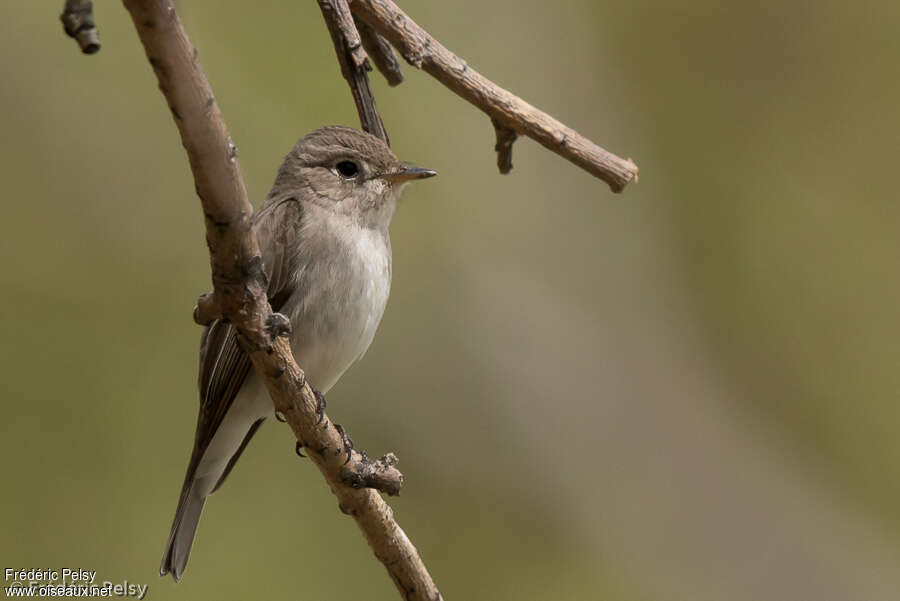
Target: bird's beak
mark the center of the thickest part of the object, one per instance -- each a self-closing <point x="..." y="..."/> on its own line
<point x="408" y="173"/>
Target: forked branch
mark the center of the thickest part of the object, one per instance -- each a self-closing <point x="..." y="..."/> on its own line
<point x="506" y="110"/>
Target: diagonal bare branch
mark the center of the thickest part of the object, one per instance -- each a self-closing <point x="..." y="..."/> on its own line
<point x="424" y="52"/>
<point x="239" y="296"/>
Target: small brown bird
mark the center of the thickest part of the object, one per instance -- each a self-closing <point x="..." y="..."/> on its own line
<point x="323" y="234"/>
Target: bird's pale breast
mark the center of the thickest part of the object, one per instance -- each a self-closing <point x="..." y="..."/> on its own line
<point x="334" y="320"/>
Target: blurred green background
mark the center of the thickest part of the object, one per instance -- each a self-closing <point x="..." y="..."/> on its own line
<point x="688" y="391"/>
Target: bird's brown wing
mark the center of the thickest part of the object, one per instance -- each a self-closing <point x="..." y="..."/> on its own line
<point x="224" y="368"/>
<point x="223" y="364"/>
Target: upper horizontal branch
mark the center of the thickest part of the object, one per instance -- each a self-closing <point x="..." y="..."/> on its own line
<point x="511" y="112"/>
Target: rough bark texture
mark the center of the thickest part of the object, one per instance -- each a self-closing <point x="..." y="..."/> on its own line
<point x="508" y="110"/>
<point x="239" y="296"/>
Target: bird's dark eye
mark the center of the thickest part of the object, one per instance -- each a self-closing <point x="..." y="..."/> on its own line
<point x="347" y="168"/>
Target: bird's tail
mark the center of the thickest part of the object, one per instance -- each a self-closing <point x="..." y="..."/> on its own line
<point x="184" y="527"/>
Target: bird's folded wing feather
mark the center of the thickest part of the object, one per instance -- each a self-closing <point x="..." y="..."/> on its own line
<point x="223" y="364"/>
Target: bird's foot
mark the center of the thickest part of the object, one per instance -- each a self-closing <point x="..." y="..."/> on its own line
<point x="278" y="325"/>
<point x="320" y="405"/>
<point x="348" y="442"/>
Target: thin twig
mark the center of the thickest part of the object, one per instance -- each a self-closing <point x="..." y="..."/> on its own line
<point x="239" y="294"/>
<point x="78" y="22"/>
<point x="381" y="53"/>
<point x="505" y="139"/>
<point x="354" y="64"/>
<point x="381" y="475"/>
<point x="424" y="52"/>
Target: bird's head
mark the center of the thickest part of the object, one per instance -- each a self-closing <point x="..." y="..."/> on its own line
<point x="348" y="172"/>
